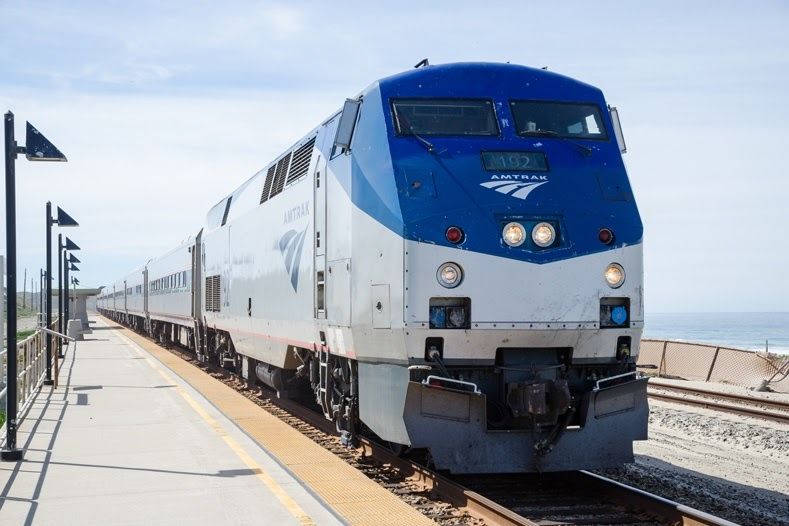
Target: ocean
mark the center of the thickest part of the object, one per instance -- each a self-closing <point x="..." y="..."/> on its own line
<point x="742" y="330"/>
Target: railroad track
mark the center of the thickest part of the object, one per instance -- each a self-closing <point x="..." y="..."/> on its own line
<point x="774" y="410"/>
<point x="571" y="498"/>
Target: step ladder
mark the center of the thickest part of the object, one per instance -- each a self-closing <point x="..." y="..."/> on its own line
<point x="323" y="381"/>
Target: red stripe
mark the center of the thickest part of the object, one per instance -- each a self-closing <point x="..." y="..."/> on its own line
<point x="288" y="341"/>
<point x="170" y="315"/>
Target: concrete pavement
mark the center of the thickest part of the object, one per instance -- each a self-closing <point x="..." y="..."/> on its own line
<point x="124" y="440"/>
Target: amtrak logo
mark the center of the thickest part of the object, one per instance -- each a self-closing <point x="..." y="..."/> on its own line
<point x="516" y="185"/>
<point x="290" y="245"/>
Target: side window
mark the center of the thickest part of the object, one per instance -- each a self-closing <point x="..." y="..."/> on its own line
<point x="227" y="210"/>
<point x="217" y="214"/>
<point x="345" y="127"/>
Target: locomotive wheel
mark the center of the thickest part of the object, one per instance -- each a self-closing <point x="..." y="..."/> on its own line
<point x="397" y="449"/>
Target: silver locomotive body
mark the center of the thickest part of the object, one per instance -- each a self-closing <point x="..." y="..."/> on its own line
<point x="377" y="265"/>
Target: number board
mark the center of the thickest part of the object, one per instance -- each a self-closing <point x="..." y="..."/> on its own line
<point x="514" y="161"/>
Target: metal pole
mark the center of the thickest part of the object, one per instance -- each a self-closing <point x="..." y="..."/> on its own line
<point x="66" y="289"/>
<point x="10" y="452"/>
<point x="60" y="290"/>
<point x="47" y="273"/>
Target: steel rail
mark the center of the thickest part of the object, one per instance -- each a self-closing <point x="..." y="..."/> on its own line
<point x="765" y="402"/>
<point x="490" y="511"/>
<point x="675" y="512"/>
<point x="745" y="405"/>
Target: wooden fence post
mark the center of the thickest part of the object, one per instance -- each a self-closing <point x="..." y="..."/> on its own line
<point x="662" y="368"/>
<point x="712" y="365"/>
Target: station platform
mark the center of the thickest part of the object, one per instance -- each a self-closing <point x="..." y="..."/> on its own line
<point x="135" y="435"/>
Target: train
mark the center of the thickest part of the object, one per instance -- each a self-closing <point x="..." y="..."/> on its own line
<point x="451" y="262"/>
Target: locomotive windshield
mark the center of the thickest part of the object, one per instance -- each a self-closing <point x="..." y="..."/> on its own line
<point x="560" y="119"/>
<point x="444" y="117"/>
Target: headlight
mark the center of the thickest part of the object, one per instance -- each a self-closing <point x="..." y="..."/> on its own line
<point x="449" y="275"/>
<point x="614" y="275"/>
<point x="543" y="234"/>
<point x="514" y="234"/>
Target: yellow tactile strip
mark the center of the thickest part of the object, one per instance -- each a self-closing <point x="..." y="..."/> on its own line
<point x="348" y="491"/>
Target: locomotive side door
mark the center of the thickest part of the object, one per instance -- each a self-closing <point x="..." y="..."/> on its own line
<point x="196" y="277"/>
<point x="319" y="237"/>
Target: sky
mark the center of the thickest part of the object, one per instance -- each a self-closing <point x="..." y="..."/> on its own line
<point x="165" y="107"/>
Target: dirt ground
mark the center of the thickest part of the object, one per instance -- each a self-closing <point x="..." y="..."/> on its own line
<point x="731" y="466"/>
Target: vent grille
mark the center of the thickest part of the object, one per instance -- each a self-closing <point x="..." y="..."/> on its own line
<point x="212" y="295"/>
<point x="267" y="184"/>
<point x="279" y="178"/>
<point x="301" y="161"/>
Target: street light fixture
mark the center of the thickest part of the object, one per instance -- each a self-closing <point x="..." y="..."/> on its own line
<point x="70" y="245"/>
<point x="71" y="268"/>
<point x="75" y="282"/>
<point x="67" y="266"/>
<point x="62" y="220"/>
<point x="37" y="148"/>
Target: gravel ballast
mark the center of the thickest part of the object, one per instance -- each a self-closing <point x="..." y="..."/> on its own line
<point x="731" y="466"/>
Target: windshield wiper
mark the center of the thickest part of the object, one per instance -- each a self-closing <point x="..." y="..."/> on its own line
<point x="424" y="142"/>
<point x="551" y="133"/>
<point x="540" y="133"/>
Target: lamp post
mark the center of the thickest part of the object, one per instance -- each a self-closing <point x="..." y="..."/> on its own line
<point x="62" y="220"/>
<point x="69" y="266"/>
<point x="60" y="284"/>
<point x="37" y="148"/>
<point x="69" y="245"/>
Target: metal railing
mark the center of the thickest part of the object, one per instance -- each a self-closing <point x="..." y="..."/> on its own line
<point x="31" y="364"/>
<point x="32" y="367"/>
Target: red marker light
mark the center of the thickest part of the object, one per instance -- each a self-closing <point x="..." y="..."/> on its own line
<point x="454" y="235"/>
<point x="605" y="236"/>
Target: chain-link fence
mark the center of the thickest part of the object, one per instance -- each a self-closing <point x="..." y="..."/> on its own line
<point x="711" y="363"/>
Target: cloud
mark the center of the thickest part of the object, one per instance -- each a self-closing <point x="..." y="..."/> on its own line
<point x="163" y="108"/>
<point x="144" y="170"/>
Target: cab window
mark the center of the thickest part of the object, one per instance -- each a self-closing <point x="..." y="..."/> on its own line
<point x="449" y="117"/>
<point x="559" y="119"/>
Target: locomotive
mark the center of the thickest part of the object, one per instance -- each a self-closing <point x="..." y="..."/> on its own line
<point x="452" y="261"/>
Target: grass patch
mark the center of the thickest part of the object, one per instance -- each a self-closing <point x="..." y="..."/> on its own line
<point x="25" y="312"/>
<point x="21" y="335"/>
<point x="2" y="418"/>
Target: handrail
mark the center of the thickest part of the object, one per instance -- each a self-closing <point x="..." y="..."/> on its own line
<point x="56" y="333"/>
<point x="31" y="356"/>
